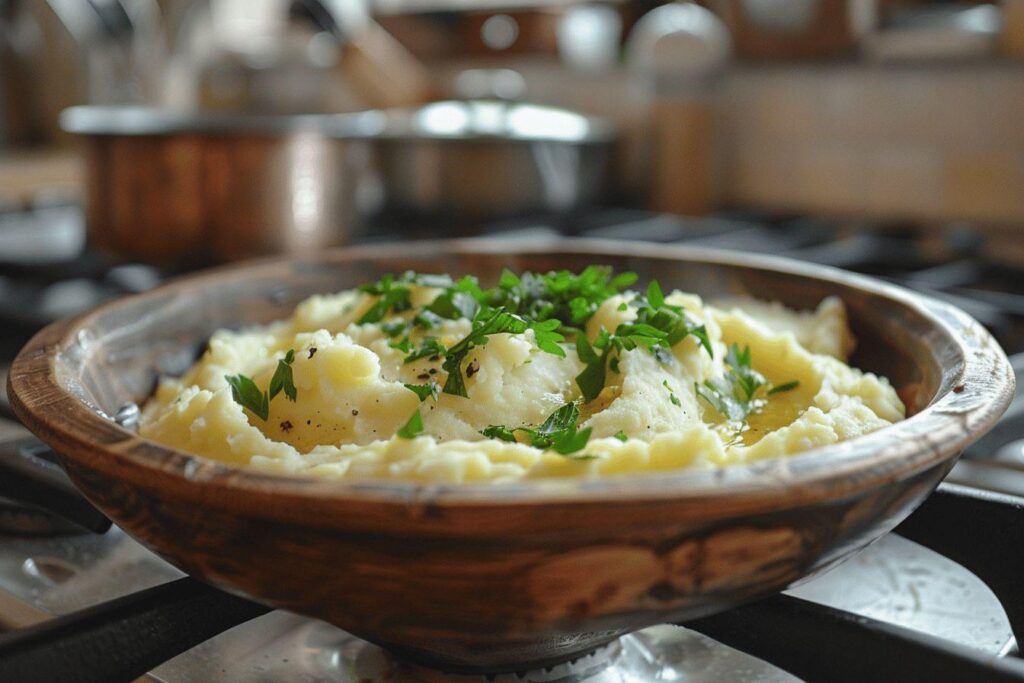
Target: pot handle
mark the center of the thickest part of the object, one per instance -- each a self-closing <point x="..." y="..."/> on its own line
<point x="122" y="639"/>
<point x="30" y="474"/>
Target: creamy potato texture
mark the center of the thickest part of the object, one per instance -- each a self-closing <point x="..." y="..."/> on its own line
<point x="351" y="398"/>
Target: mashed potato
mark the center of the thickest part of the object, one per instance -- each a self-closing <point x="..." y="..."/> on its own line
<point x="351" y="396"/>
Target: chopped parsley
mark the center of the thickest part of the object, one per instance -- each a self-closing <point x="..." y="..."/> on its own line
<point x="658" y="327"/>
<point x="546" y="337"/>
<point x="245" y="392"/>
<point x="427" y="319"/>
<point x="788" y="386"/>
<point x="734" y="395"/>
<point x="621" y="436"/>
<point x="560" y="295"/>
<point x="413" y="427"/>
<point x="429" y="347"/>
<point x="405" y="345"/>
<point x="496" y="322"/>
<point x="393" y="295"/>
<point x="559" y="432"/>
<point x="554" y="305"/>
<point x="424" y="391"/>
<point x="671" y="394"/>
<point x="393" y="328"/>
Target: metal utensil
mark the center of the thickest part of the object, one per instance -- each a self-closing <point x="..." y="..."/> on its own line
<point x="490" y="158"/>
<point x="175" y="188"/>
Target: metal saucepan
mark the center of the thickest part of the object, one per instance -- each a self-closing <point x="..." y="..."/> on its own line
<point x="484" y="159"/>
<point x="177" y="188"/>
<point x="485" y="577"/>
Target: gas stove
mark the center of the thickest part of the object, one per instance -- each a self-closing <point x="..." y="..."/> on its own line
<point x="940" y="595"/>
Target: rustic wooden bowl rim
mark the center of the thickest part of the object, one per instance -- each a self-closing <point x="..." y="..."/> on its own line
<point x="970" y="401"/>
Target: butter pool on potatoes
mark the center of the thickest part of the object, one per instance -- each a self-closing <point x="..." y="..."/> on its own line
<point x="351" y="398"/>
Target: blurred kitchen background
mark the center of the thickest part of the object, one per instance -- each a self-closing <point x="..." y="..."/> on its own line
<point x="885" y="136"/>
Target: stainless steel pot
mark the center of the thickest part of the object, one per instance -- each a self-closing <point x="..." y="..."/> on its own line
<point x="185" y="188"/>
<point x="489" y="158"/>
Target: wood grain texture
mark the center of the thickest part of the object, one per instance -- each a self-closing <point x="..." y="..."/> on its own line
<point x="492" y="577"/>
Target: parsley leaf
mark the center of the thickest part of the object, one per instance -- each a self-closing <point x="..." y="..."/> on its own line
<point x="427" y="319"/>
<point x="497" y="322"/>
<point x="394" y="328"/>
<point x="788" y="386"/>
<point x="561" y="295"/>
<point x="572" y="441"/>
<point x="405" y="346"/>
<point x="671" y="394"/>
<point x="282" y="378"/>
<point x="654" y="296"/>
<point x="559" y="421"/>
<point x="413" y="427"/>
<point x="429" y="346"/>
<point x="461" y="299"/>
<point x="621" y="436"/>
<point x="394" y="296"/>
<point x="591" y="379"/>
<point x="658" y="327"/>
<point x="547" y="338"/>
<point x="245" y="392"/>
<point x="732" y="395"/>
<point x="558" y="432"/>
<point x="424" y="391"/>
<point x="456" y="383"/>
<point x="499" y="432"/>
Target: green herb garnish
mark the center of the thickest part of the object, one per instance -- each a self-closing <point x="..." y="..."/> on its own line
<point x="424" y="391"/>
<point x="553" y="305"/>
<point x="658" y="327"/>
<point x="788" y="386"/>
<point x="496" y="322"/>
<point x="245" y="392"/>
<point x="559" y="432"/>
<point x="734" y="394"/>
<point x="282" y="379"/>
<point x="429" y="346"/>
<point x="621" y="436"/>
<point x="405" y="345"/>
<point x="499" y="432"/>
<point x="427" y="320"/>
<point x="671" y="394"/>
<point x="394" y="295"/>
<point x="561" y="295"/>
<point x="393" y="328"/>
<point x="547" y="338"/>
<point x="413" y="427"/>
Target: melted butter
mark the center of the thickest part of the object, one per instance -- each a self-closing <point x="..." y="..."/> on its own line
<point x="600" y="402"/>
<point x="781" y="411"/>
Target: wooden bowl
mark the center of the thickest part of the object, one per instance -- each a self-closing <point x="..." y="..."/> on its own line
<point x="491" y="577"/>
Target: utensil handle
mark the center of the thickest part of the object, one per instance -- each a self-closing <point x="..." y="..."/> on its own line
<point x="29" y="474"/>
<point x="124" y="638"/>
